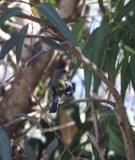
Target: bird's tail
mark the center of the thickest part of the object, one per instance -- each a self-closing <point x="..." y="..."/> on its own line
<point x="54" y="105"/>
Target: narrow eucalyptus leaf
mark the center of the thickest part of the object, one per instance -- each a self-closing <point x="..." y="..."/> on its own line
<point x="55" y="45"/>
<point x="29" y="152"/>
<point x="5" y="147"/>
<point x="125" y="11"/>
<point x="8" y="46"/>
<point x="9" y="13"/>
<point x="51" y="147"/>
<point x="55" y="19"/>
<point x="125" y="79"/>
<point x="115" y="143"/>
<point x="21" y="37"/>
<point x="101" y="5"/>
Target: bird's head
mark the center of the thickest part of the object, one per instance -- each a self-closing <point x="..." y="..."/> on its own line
<point x="61" y="73"/>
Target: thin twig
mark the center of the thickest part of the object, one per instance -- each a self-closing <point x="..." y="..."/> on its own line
<point x="107" y="101"/>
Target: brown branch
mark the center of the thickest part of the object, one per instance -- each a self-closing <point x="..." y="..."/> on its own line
<point x="97" y="142"/>
<point x="119" y="109"/>
<point x="95" y="122"/>
<point x="101" y="151"/>
<point x="107" y="101"/>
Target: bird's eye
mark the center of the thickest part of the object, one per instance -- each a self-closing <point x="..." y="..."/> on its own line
<point x="64" y="71"/>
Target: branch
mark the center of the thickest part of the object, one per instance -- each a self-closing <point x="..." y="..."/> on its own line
<point x="101" y="151"/>
<point x="119" y="109"/>
<point x="107" y="101"/>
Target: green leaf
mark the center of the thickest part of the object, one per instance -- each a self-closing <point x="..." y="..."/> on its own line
<point x="101" y="5"/>
<point x="55" y="19"/>
<point x="115" y="143"/>
<point x="55" y="45"/>
<point x="75" y="69"/>
<point x="9" y="13"/>
<point x="101" y="40"/>
<point x="128" y="49"/>
<point x="111" y="55"/>
<point x="51" y="147"/>
<point x="78" y="29"/>
<point x="8" y="46"/>
<point x="130" y="27"/>
<point x="29" y="152"/>
<point x="132" y="72"/>
<point x="87" y="51"/>
<point x="125" y="79"/>
<point x="119" y="5"/>
<point x="5" y="147"/>
<point x="21" y="37"/>
<point x="124" y="11"/>
<point x="118" y="67"/>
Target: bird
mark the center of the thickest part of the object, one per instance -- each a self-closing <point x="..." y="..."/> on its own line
<point x="61" y="88"/>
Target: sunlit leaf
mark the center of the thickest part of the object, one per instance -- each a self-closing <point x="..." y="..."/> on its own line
<point x="9" y="13"/>
<point x="5" y="147"/>
<point x="129" y="49"/>
<point x="21" y="37"/>
<point x="55" y="19"/>
<point x="101" y="40"/>
<point x="87" y="51"/>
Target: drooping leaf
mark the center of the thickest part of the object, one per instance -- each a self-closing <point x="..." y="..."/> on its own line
<point x="78" y="29"/>
<point x="8" y="46"/>
<point x="124" y="11"/>
<point x="9" y="13"/>
<point x="115" y="143"/>
<point x="87" y="51"/>
<point x="21" y="37"/>
<point x="125" y="79"/>
<point x="119" y="65"/>
<point x="55" y="45"/>
<point x="5" y="147"/>
<point x="132" y="73"/>
<point x="101" y="40"/>
<point x="111" y="55"/>
<point x="51" y="147"/>
<point x="119" y="5"/>
<point x="55" y="19"/>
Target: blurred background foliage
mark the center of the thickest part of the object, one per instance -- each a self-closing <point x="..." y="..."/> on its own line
<point x="105" y="31"/>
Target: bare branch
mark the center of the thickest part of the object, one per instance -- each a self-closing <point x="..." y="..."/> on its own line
<point x="107" y="101"/>
<point x="101" y="151"/>
<point x="119" y="109"/>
